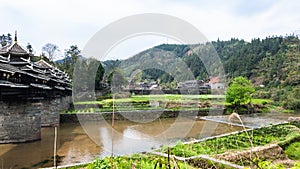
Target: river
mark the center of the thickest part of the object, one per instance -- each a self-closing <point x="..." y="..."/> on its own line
<point x="78" y="143"/>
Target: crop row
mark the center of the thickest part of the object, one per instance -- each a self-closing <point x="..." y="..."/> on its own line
<point x="240" y="141"/>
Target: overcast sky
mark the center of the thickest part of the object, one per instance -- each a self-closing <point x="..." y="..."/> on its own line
<point x="74" y="22"/>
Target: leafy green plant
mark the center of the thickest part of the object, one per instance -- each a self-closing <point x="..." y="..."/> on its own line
<point x="239" y="92"/>
<point x="296" y="165"/>
<point x="269" y="165"/>
<point x="137" y="161"/>
<point x="293" y="151"/>
<point x="238" y="141"/>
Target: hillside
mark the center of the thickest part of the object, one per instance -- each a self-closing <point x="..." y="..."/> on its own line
<point x="272" y="62"/>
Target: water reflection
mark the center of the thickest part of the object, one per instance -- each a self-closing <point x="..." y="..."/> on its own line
<point x="256" y="120"/>
<point x="75" y="146"/>
<point x="72" y="143"/>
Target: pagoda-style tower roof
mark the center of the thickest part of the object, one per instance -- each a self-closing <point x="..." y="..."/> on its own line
<point x="14" y="49"/>
<point x="43" y="64"/>
<point x="22" y="78"/>
<point x="15" y="53"/>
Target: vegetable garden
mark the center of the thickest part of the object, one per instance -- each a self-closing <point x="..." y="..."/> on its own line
<point x="209" y="152"/>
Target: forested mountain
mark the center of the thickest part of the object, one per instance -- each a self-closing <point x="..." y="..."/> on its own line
<point x="267" y="61"/>
<point x="272" y="61"/>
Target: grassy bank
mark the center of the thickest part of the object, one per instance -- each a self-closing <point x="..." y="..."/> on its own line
<point x="169" y="102"/>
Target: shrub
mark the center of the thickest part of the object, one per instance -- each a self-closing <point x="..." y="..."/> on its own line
<point x="293" y="151"/>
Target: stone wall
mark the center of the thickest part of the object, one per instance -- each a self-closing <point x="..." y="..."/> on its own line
<point x="143" y="115"/>
<point x="20" y="121"/>
<point x="51" y="109"/>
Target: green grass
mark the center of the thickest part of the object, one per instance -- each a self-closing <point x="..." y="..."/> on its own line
<point x="179" y="96"/>
<point x="293" y="151"/>
<point x="259" y="137"/>
<point x="288" y="111"/>
<point x="109" y="109"/>
<point x="142" y="102"/>
<point x="261" y="101"/>
<point x="143" y="161"/>
<point x="165" y="97"/>
<point x="169" y="97"/>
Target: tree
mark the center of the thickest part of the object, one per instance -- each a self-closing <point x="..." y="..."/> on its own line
<point x="239" y="92"/>
<point x="291" y="99"/>
<point x="71" y="56"/>
<point x="29" y="48"/>
<point x="50" y="51"/>
<point x="91" y="66"/>
<point x="88" y="74"/>
<point x="5" y="39"/>
<point x="136" y="76"/>
<point x="117" y="79"/>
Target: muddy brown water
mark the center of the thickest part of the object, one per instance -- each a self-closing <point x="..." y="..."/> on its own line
<point x="78" y="143"/>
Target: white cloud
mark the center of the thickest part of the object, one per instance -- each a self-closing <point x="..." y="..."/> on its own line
<point x="70" y="22"/>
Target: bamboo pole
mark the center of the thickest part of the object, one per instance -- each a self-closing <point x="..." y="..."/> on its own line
<point x="54" y="147"/>
<point x="112" y="131"/>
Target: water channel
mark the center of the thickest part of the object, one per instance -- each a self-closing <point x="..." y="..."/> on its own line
<point x="74" y="145"/>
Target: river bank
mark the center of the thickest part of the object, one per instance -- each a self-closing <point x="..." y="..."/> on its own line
<point x="140" y="115"/>
<point x="75" y="144"/>
<point x="169" y="104"/>
<point x="252" y="120"/>
<point x="79" y="143"/>
<point x="242" y="149"/>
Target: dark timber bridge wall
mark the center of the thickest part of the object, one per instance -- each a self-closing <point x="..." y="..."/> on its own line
<point x="21" y="121"/>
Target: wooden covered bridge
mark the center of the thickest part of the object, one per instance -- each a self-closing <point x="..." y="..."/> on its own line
<point x="31" y="94"/>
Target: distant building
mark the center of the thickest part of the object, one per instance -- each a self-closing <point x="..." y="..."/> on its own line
<point x="154" y="86"/>
<point x="143" y="86"/>
<point x="215" y="83"/>
<point x="190" y="84"/>
<point x="194" y="86"/>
